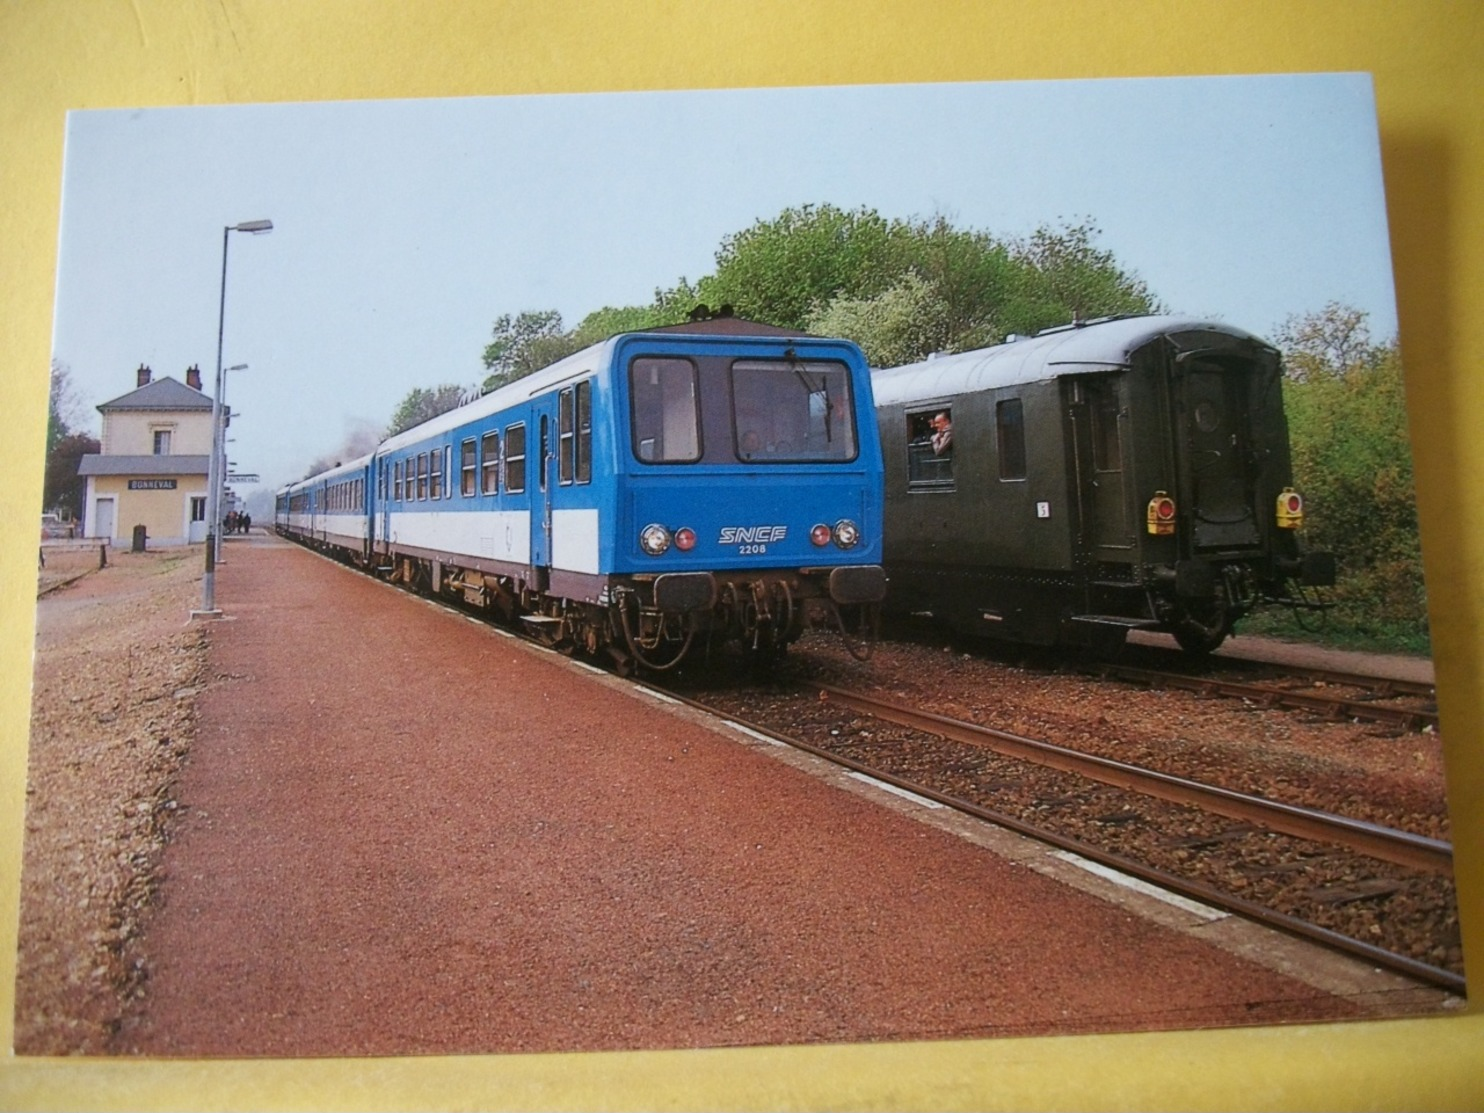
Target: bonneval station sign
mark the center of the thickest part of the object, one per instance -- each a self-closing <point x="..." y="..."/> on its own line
<point x="151" y="484"/>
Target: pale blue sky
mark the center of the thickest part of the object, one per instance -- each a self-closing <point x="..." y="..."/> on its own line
<point x="404" y="228"/>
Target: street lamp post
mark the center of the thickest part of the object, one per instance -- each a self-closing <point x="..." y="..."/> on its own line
<point x="214" y="465"/>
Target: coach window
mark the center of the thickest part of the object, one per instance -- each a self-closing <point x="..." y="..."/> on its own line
<point x="585" y="432"/>
<point x="448" y="471"/>
<point x="545" y="451"/>
<point x="1010" y="433"/>
<point x="665" y="425"/>
<point x="1106" y="451"/>
<point x="490" y="464"/>
<point x="566" y="438"/>
<point x="422" y="475"/>
<point x="930" y="449"/>
<point x="515" y="458"/>
<point x="466" y="468"/>
<point x="435" y="475"/>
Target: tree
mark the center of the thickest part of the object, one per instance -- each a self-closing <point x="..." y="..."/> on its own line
<point x="901" y="288"/>
<point x="64" y="409"/>
<point x="420" y="405"/>
<point x="900" y="325"/>
<point x="1064" y="277"/>
<point x="1346" y="403"/>
<point x="1327" y="344"/>
<point x="524" y="343"/>
<point x="778" y="270"/>
<point x="62" y="487"/>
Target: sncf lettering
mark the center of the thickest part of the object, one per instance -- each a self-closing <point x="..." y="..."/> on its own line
<point x="752" y="535"/>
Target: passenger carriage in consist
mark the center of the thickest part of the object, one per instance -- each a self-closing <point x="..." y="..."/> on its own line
<point x="1130" y="473"/>
<point x="720" y="479"/>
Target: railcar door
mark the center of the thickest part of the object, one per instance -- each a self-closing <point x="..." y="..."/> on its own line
<point x="1216" y="445"/>
<point x="1095" y="409"/>
<point x="541" y="491"/>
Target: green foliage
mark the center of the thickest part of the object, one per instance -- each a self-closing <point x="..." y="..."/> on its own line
<point x="896" y="326"/>
<point x="900" y="288"/>
<point x="1346" y="406"/>
<point x="66" y="445"/>
<point x="1063" y="277"/>
<point x="525" y="343"/>
<point x="63" y="488"/>
<point x="420" y="405"/>
<point x="778" y="270"/>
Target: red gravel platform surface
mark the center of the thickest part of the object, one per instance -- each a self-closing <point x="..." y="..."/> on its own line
<point x="408" y="833"/>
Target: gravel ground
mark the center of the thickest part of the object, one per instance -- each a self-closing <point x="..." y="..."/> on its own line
<point x="318" y="879"/>
<point x="112" y="718"/>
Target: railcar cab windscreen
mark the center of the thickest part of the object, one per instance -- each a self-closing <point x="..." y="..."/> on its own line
<point x="1115" y="475"/>
<point x="709" y="481"/>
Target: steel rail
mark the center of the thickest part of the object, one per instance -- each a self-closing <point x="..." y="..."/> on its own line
<point x="1268" y="696"/>
<point x="1400" y="847"/>
<point x="1195" y="890"/>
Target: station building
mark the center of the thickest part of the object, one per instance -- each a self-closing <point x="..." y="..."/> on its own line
<point x="152" y="470"/>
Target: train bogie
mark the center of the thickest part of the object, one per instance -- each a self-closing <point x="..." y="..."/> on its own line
<point x="1123" y="474"/>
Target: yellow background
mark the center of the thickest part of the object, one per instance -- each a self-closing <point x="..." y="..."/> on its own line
<point x="1426" y="57"/>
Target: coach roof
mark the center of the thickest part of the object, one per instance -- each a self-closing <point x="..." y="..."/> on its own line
<point x="1080" y="349"/>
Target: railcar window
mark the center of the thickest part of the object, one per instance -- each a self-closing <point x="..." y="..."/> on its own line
<point x="515" y="458"/>
<point x="422" y="475"/>
<point x="435" y="475"/>
<point x="396" y="480"/>
<point x="792" y="410"/>
<point x="1107" y="454"/>
<point x="466" y="468"/>
<point x="1010" y="433"/>
<point x="665" y="419"/>
<point x="545" y="452"/>
<point x="930" y="449"/>
<point x="490" y="473"/>
<point x="585" y="432"/>
<point x="566" y="437"/>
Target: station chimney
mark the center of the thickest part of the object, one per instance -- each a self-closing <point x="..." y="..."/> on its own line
<point x="143" y="373"/>
<point x="193" y="376"/>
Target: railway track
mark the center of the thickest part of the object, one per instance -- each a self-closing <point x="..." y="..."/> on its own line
<point x="1332" y="849"/>
<point x="1362" y="699"/>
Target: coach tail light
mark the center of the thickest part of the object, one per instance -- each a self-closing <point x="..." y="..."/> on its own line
<point x="1290" y="509"/>
<point x="1160" y="518"/>
<point x="654" y="539"/>
<point x="820" y="535"/>
<point x="685" y="539"/>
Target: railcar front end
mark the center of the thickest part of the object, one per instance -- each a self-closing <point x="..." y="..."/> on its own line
<point x="750" y="488"/>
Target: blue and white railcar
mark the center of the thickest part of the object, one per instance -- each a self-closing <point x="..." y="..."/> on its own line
<point x="331" y="510"/>
<point x="717" y="479"/>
